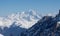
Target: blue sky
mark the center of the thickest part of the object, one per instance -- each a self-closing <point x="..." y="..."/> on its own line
<point x="42" y="6"/>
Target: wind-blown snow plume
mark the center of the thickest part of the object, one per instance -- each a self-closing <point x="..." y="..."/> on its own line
<point x="22" y="19"/>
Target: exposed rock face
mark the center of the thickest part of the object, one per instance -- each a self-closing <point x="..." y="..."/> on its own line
<point x="47" y="26"/>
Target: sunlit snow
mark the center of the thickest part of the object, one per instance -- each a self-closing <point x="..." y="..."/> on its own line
<point x="22" y="19"/>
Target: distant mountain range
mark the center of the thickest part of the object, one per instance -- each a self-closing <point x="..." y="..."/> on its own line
<point x="30" y="23"/>
<point x="23" y="19"/>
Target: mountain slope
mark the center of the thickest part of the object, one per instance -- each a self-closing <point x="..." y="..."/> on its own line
<point x="23" y="19"/>
<point x="47" y="26"/>
<point x="16" y="24"/>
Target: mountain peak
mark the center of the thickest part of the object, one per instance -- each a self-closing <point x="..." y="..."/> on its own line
<point x="24" y="19"/>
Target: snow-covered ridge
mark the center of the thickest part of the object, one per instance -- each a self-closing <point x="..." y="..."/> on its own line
<point x="22" y="19"/>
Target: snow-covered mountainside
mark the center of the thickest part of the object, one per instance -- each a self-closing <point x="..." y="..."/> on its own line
<point x="30" y="23"/>
<point x="1" y="35"/>
<point x="23" y="19"/>
<point x="47" y="26"/>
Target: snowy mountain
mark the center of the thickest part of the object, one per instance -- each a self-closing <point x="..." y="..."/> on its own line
<point x="29" y="23"/>
<point x="47" y="26"/>
<point x="23" y="19"/>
